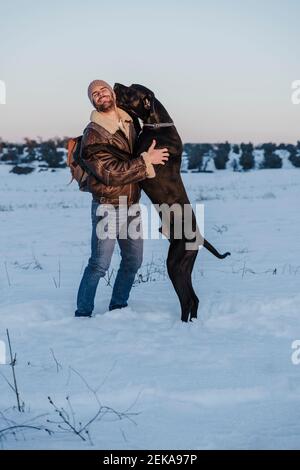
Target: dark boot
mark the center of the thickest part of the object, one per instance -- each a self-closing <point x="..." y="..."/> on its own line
<point x="78" y="314"/>
<point x="113" y="307"/>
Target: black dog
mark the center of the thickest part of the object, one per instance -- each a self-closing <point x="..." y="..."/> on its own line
<point x="167" y="187"/>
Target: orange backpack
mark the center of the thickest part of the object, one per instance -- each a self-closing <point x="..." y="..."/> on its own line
<point x="74" y="163"/>
<point x="78" y="171"/>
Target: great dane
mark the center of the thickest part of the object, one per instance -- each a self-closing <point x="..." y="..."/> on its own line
<point x="167" y="187"/>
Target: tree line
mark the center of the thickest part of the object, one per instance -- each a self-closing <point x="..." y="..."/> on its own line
<point x="51" y="153"/>
<point x="242" y="156"/>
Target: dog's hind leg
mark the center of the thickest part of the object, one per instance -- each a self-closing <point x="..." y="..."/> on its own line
<point x="194" y="299"/>
<point x="188" y="262"/>
<point x="178" y="263"/>
<point x="194" y="308"/>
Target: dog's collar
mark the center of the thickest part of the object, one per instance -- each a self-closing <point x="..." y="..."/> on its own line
<point x="157" y="125"/>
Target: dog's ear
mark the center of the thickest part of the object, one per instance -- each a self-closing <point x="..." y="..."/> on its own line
<point x="148" y="102"/>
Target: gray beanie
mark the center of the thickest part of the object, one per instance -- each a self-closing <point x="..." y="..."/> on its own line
<point x="96" y="83"/>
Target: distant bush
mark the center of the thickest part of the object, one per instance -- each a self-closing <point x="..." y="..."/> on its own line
<point x="291" y="148"/>
<point x="30" y="157"/>
<point x="11" y="156"/>
<point x="22" y="170"/>
<point x="195" y="157"/>
<point x="295" y="160"/>
<point x="50" y="154"/>
<point x="195" y="154"/>
<point x="222" y="156"/>
<point x="269" y="148"/>
<point x="271" y="160"/>
<point x="247" y="161"/>
<point x="236" y="148"/>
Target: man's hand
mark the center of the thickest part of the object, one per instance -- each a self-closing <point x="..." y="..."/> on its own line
<point x="157" y="156"/>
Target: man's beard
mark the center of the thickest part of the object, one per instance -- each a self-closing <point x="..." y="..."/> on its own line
<point x="106" y="106"/>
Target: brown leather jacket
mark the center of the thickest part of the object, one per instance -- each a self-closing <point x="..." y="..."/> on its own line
<point x="109" y="177"/>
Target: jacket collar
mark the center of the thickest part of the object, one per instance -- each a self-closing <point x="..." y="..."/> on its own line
<point x="110" y="124"/>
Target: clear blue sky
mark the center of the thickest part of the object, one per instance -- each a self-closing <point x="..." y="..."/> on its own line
<point x="222" y="68"/>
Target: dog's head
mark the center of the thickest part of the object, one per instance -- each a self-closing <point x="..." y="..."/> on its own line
<point x="135" y="99"/>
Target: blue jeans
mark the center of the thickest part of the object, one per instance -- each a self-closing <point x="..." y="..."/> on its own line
<point x="99" y="262"/>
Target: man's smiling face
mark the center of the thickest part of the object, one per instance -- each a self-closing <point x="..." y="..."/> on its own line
<point x="103" y="99"/>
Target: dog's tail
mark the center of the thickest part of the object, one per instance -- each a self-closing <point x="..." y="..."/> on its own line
<point x="215" y="252"/>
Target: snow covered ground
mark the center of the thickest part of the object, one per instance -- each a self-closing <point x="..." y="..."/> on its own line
<point x="225" y="381"/>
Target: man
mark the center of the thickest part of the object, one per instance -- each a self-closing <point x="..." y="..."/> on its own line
<point x="109" y="179"/>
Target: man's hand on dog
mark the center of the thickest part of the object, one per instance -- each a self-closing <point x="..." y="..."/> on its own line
<point x="157" y="156"/>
